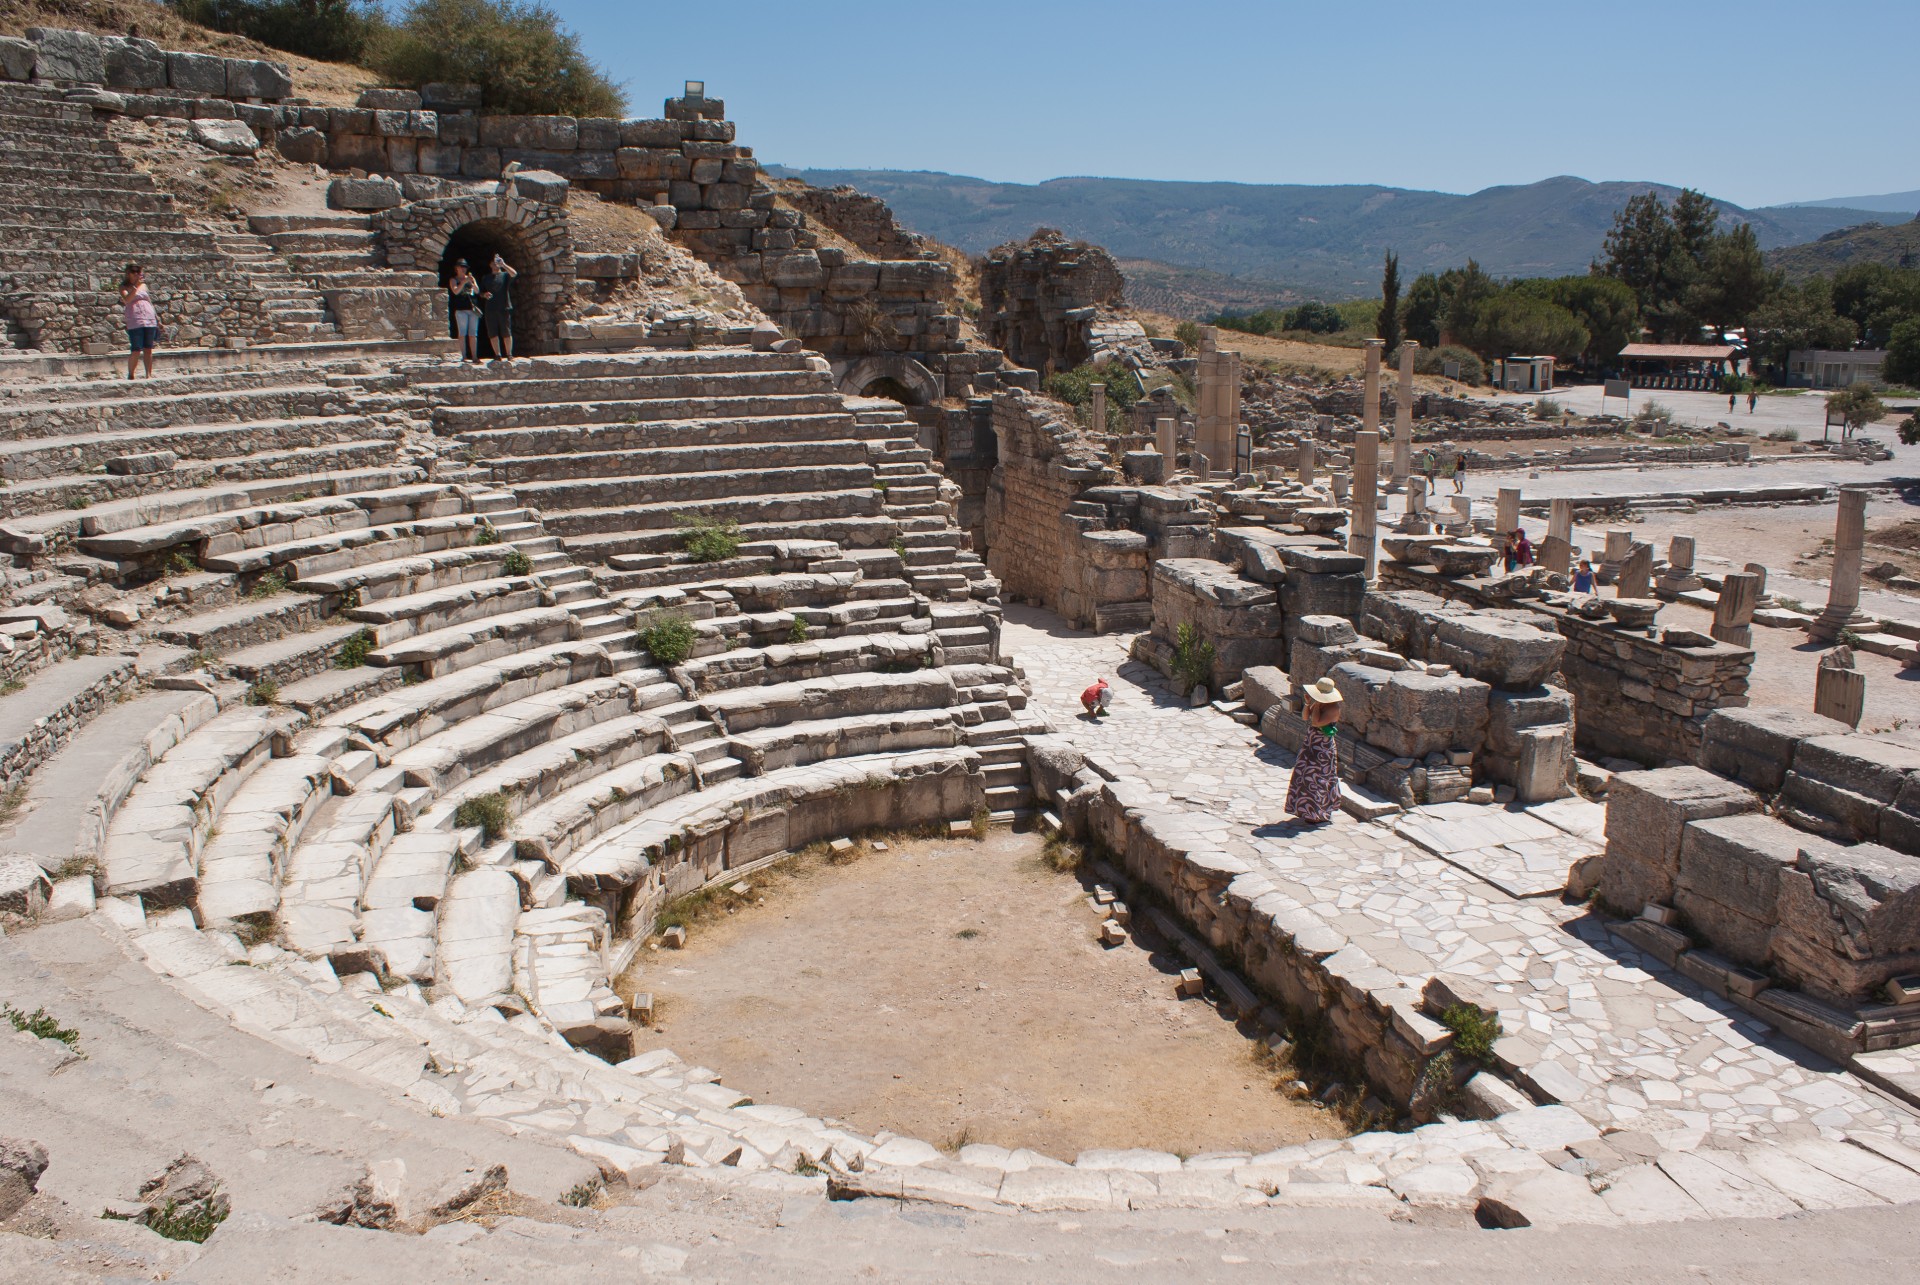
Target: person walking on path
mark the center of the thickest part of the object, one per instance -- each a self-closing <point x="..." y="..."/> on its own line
<point x="1731" y="399"/>
<point x="1583" y="577"/>
<point x="1097" y="698"/>
<point x="1751" y="399"/>
<point x="1429" y="465"/>
<point x="1314" y="791"/>
<point x="142" y="321"/>
<point x="497" y="291"/>
<point x="1459" y="472"/>
<point x="463" y="301"/>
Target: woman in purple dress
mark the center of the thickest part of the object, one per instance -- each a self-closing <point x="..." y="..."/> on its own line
<point x="1314" y="791"/>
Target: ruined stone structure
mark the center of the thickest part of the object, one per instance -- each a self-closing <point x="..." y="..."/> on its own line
<point x="1039" y="298"/>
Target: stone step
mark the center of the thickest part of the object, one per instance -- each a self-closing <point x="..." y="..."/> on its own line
<point x="462" y="419"/>
<point x="443" y="651"/>
<point x="703" y="457"/>
<point x="246" y="624"/>
<point x="767" y="510"/>
<point x="453" y="755"/>
<point x="47" y="457"/>
<point x="61" y="410"/>
<point x="268" y="225"/>
<point x="709" y="361"/>
<point x="629" y="388"/>
<point x="289" y="659"/>
<point x="288" y="468"/>
<point x="392" y="621"/>
<point x="856" y="531"/>
<point x="590" y="438"/>
<point x="328" y="691"/>
<point x="239" y="864"/>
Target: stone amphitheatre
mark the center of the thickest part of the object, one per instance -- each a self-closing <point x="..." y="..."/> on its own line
<point x="399" y="752"/>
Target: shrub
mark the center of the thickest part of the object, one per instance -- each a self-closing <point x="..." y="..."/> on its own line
<point x="181" y="563"/>
<point x="329" y="30"/>
<point x="1433" y="361"/>
<point x="355" y="650"/>
<point x="39" y="1025"/>
<point x="708" y="539"/>
<point x="517" y="563"/>
<point x="1653" y="415"/>
<point x="1075" y="388"/>
<point x="264" y="692"/>
<point x="274" y="582"/>
<point x="1784" y="435"/>
<point x="486" y="533"/>
<point x="192" y="1222"/>
<point x="798" y="631"/>
<point x="488" y="811"/>
<point x="669" y="639"/>
<point x="1474" y="1032"/>
<point x="1547" y="408"/>
<point x="1188" y="333"/>
<point x="1193" y="656"/>
<point x="582" y="1195"/>
<point x="1910" y="430"/>
<point x="523" y="61"/>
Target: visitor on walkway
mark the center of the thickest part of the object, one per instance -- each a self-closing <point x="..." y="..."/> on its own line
<point x="1314" y="791"/>
<point x="497" y="291"/>
<point x="1459" y="472"/>
<point x="1583" y="577"/>
<point x="1731" y="399"/>
<point x="1097" y="698"/>
<point x="1751" y="399"/>
<point x="463" y="301"/>
<point x="142" y="321"/>
<point x="1429" y="465"/>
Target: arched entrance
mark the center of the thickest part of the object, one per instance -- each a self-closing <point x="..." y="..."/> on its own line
<point x="532" y="236"/>
<point x="894" y="376"/>
<point x="477" y="243"/>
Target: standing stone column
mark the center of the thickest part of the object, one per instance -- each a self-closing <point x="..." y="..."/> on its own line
<point x="1403" y="415"/>
<point x="1219" y="415"/>
<point x="1636" y="573"/>
<point x="1366" y="487"/>
<point x="1462" y="519"/>
<point x="1678" y="578"/>
<point x="1416" y="503"/>
<point x="1099" y="410"/>
<point x="1506" y="510"/>
<point x="1309" y="460"/>
<point x="1761" y="597"/>
<point x="1167" y="438"/>
<point x="1370" y="408"/>
<point x="1556" y="550"/>
<point x="1619" y="546"/>
<point x="1560" y="519"/>
<point x="1843" y="597"/>
<point x="1839" y="690"/>
<point x="1733" y="613"/>
<point x="1339" y="482"/>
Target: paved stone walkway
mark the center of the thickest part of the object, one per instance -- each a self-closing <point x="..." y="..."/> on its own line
<point x="1589" y="1022"/>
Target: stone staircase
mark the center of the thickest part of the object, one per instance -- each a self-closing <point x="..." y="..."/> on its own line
<point x="339" y="256"/>
<point x="417" y="735"/>
<point x="88" y="210"/>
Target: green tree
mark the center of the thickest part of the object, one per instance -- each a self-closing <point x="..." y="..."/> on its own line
<point x="1732" y="281"/>
<point x="1903" y="354"/>
<point x="1639" y="246"/>
<point x="1798" y="316"/>
<point x="1876" y="298"/>
<point x="1420" y="315"/>
<point x="1606" y="307"/>
<point x="1468" y="292"/>
<point x="1694" y="224"/>
<point x="523" y="60"/>
<point x="1315" y="317"/>
<point x="1388" y="325"/>
<point x="1856" y="407"/>
<point x="1517" y="324"/>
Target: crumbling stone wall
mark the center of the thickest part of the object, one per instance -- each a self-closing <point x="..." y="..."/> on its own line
<point x="1039" y="298"/>
<point x="1640" y="697"/>
<point x="863" y="219"/>
<point x="1238" y="618"/>
<point x="1044" y="464"/>
<point x="540" y="248"/>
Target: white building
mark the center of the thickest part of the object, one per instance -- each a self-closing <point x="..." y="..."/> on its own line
<point x="1822" y="368"/>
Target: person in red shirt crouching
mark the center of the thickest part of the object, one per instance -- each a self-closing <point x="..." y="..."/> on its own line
<point x="1097" y="698"/>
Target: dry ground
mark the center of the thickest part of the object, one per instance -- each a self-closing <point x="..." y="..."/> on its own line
<point x="953" y="991"/>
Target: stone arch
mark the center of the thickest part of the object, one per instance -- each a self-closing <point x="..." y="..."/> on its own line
<point x="532" y="236"/>
<point x="892" y="375"/>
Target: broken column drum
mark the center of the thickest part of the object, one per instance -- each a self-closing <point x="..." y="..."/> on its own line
<point x="1843" y="598"/>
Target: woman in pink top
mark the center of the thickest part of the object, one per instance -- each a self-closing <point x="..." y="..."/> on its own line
<point x="143" y="323"/>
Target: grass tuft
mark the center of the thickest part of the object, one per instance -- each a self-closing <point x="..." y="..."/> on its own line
<point x="488" y="811"/>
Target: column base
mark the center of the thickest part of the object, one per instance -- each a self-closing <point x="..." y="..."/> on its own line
<point x="1829" y="624"/>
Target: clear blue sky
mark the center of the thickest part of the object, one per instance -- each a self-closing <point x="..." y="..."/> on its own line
<point x="1755" y="102"/>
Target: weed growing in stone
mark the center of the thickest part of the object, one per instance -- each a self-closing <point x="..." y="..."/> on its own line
<point x="1193" y="656"/>
<point x="708" y="539"/>
<point x="517" y="564"/>
<point x="39" y="1025"/>
<point x="181" y="563"/>
<point x="13" y="685"/>
<point x="582" y="1195"/>
<point x="1062" y="855"/>
<point x="355" y="650"/>
<point x="488" y="811"/>
<point x="797" y="631"/>
<point x="274" y="582"/>
<point x="486" y="534"/>
<point x="264" y="692"/>
<point x="669" y="639"/>
<point x="192" y="1222"/>
<point x="1474" y="1032"/>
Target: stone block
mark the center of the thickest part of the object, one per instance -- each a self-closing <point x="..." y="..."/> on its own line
<point x="16" y="58"/>
<point x="24" y="887"/>
<point x="1728" y="884"/>
<point x="542" y="185"/>
<point x="68" y="55"/>
<point x="1416" y="714"/>
<point x="1849" y="920"/>
<point x="1855" y="787"/>
<point x="389" y="100"/>
<point x="132" y="63"/>
<point x="1543" y="764"/>
<point x="1324" y="630"/>
<point x="363" y="194"/>
<point x="1263" y="686"/>
<point x="1647" y="815"/>
<point x="1756" y="745"/>
<point x="441" y="96"/>
<point x="538" y="133"/>
<point x="653" y="133"/>
<point x="258" y="78"/>
<point x="302" y="145"/>
<point x="1504" y="653"/>
<point x="1511" y="712"/>
<point x="227" y="137"/>
<point x="202" y="74"/>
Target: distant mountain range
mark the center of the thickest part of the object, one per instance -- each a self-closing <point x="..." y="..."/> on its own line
<point x="1885" y="203"/>
<point x="1288" y="241"/>
<point x="1894" y="244"/>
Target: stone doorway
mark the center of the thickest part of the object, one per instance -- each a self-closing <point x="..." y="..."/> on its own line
<point x="532" y="236"/>
<point x="477" y="243"/>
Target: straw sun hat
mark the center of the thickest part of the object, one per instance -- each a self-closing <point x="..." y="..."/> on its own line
<point x="1323" y="692"/>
